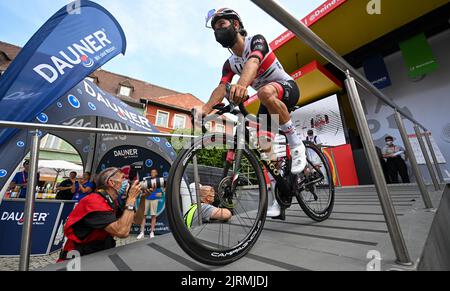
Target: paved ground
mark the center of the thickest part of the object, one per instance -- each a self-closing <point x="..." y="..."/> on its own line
<point x="12" y="264"/>
<point x="356" y="227"/>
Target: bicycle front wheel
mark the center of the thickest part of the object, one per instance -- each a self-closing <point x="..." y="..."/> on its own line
<point x="316" y="195"/>
<point x="209" y="237"/>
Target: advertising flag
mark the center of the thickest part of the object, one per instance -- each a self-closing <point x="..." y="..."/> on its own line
<point x="418" y="55"/>
<point x="376" y="72"/>
<point x="73" y="43"/>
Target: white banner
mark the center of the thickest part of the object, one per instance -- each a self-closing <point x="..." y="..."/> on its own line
<point x="324" y="117"/>
<point x="418" y="152"/>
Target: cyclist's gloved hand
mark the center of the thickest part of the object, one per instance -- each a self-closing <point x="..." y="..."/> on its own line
<point x="238" y="94"/>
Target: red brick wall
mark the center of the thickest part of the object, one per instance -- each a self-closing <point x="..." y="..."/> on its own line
<point x="152" y="113"/>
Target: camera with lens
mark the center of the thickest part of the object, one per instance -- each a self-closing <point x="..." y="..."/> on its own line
<point x="132" y="176"/>
<point x="153" y="183"/>
<point x="134" y="171"/>
<point x="147" y="182"/>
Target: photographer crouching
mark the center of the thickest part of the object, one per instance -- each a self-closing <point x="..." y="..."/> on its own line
<point x="106" y="213"/>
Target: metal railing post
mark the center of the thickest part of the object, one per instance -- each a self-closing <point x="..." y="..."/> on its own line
<point x="433" y="155"/>
<point x="25" y="248"/>
<point x="387" y="206"/>
<point x="437" y="187"/>
<point x="197" y="190"/>
<point x="413" y="161"/>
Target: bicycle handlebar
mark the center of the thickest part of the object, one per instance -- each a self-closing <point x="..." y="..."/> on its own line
<point x="222" y="109"/>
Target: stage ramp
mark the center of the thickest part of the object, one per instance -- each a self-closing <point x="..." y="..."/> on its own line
<point x="356" y="228"/>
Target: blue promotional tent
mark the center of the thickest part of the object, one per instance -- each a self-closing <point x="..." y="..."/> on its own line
<point x="46" y="84"/>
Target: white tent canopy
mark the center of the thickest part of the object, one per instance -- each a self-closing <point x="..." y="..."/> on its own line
<point x="56" y="168"/>
<point x="59" y="165"/>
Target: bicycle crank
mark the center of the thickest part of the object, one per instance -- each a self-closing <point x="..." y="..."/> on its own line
<point x="283" y="199"/>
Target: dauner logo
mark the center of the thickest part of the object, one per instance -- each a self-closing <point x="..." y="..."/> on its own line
<point x="138" y="120"/>
<point x="126" y="153"/>
<point x="75" y="54"/>
<point x="38" y="218"/>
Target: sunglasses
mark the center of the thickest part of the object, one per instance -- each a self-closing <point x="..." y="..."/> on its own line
<point x="208" y="18"/>
<point x="112" y="175"/>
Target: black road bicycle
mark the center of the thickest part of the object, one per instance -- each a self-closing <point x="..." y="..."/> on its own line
<point x="234" y="166"/>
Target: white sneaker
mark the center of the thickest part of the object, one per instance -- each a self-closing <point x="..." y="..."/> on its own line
<point x="298" y="159"/>
<point x="140" y="236"/>
<point x="152" y="235"/>
<point x="274" y="210"/>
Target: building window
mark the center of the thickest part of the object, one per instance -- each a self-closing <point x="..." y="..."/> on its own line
<point x="162" y="119"/>
<point x="208" y="126"/>
<point x="179" y="122"/>
<point x="220" y="128"/>
<point x="125" y="91"/>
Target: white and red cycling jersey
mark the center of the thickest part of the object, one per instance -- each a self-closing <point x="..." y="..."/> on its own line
<point x="270" y="70"/>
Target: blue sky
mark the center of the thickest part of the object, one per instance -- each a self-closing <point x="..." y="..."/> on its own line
<point x="168" y="44"/>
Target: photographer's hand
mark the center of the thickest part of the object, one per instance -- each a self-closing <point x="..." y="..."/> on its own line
<point x="134" y="193"/>
<point x="145" y="194"/>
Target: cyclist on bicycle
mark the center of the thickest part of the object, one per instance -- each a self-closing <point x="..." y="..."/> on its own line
<point x="258" y="67"/>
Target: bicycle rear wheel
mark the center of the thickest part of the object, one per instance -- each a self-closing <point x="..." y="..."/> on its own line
<point x="216" y="242"/>
<point x="316" y="195"/>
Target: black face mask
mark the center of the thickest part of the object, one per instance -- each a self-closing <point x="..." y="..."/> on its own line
<point x="227" y="37"/>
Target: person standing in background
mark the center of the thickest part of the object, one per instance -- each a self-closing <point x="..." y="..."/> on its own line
<point x="395" y="163"/>
<point x="65" y="188"/>
<point x="152" y="200"/>
<point x="313" y="138"/>
<point x="21" y="180"/>
<point x="82" y="187"/>
<point x="314" y="158"/>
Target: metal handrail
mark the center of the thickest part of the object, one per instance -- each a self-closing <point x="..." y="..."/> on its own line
<point x="59" y="128"/>
<point x="297" y="27"/>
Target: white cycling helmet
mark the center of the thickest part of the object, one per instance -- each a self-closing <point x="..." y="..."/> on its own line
<point x="227" y="13"/>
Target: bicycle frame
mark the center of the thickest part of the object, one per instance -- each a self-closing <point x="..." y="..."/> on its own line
<point x="284" y="183"/>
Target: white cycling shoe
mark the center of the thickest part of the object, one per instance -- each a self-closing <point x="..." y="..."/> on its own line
<point x="140" y="236"/>
<point x="298" y="159"/>
<point x="274" y="210"/>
